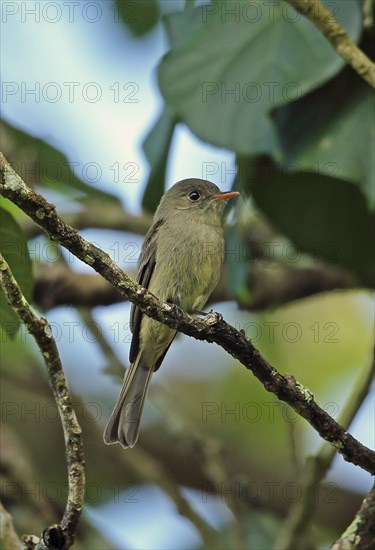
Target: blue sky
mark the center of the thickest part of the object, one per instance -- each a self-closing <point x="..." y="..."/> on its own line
<point x="89" y="89"/>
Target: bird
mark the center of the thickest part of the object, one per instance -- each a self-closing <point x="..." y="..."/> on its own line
<point x="180" y="263"/>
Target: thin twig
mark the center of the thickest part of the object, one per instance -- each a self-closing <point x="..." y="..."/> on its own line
<point x="151" y="469"/>
<point x="316" y="467"/>
<point x="42" y="333"/>
<point x="211" y="457"/>
<point x="212" y="328"/>
<point x="368" y="14"/>
<point x="295" y="458"/>
<point x="114" y="365"/>
<point x="336" y="35"/>
<point x="216" y="469"/>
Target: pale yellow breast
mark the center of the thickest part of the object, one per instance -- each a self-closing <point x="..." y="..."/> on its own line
<point x="188" y="265"/>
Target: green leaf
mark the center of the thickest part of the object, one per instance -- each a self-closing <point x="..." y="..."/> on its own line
<point x="238" y="271"/>
<point x="181" y="26"/>
<point x="323" y="216"/>
<point x="13" y="246"/>
<point x="224" y="75"/>
<point x="139" y="15"/>
<point x="37" y="163"/>
<point x="333" y="130"/>
<point x="156" y="148"/>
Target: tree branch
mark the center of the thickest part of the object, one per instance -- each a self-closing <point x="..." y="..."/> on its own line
<point x="211" y="328"/>
<point x="316" y="467"/>
<point x="151" y="469"/>
<point x="56" y="536"/>
<point x="56" y="285"/>
<point x="336" y="35"/>
<point x="360" y="535"/>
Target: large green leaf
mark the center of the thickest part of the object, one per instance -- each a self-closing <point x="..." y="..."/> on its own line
<point x="13" y="246"/>
<point x="156" y="148"/>
<point x="225" y="73"/>
<point x="37" y="163"/>
<point x="181" y="26"/>
<point x="139" y="15"/>
<point x="333" y="130"/>
<point x="323" y="216"/>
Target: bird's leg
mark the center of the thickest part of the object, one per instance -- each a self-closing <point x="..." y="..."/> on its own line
<point x="177" y="309"/>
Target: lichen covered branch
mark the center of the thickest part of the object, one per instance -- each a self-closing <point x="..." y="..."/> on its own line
<point x="57" y="536"/>
<point x="360" y="535"/>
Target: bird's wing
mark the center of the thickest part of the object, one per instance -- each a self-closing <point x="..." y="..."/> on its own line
<point x="147" y="261"/>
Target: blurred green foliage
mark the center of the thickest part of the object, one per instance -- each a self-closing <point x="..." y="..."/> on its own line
<point x="140" y="16"/>
<point x="13" y="246"/>
<point x="324" y="216"/>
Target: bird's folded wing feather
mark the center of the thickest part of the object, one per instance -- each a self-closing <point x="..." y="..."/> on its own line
<point x="147" y="262"/>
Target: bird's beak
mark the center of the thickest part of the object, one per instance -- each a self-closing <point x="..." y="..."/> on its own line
<point x="225" y="196"/>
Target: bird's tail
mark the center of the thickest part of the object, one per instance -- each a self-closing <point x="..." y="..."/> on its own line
<point x="123" y="426"/>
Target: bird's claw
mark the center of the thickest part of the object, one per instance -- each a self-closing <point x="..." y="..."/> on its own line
<point x="176" y="309"/>
<point x="213" y="317"/>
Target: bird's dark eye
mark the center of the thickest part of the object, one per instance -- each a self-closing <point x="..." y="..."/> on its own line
<point x="194" y="196"/>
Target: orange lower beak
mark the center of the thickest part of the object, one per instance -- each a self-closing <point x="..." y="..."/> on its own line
<point x="225" y="196"/>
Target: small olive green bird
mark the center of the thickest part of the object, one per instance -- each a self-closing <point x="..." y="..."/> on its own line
<point x="180" y="263"/>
